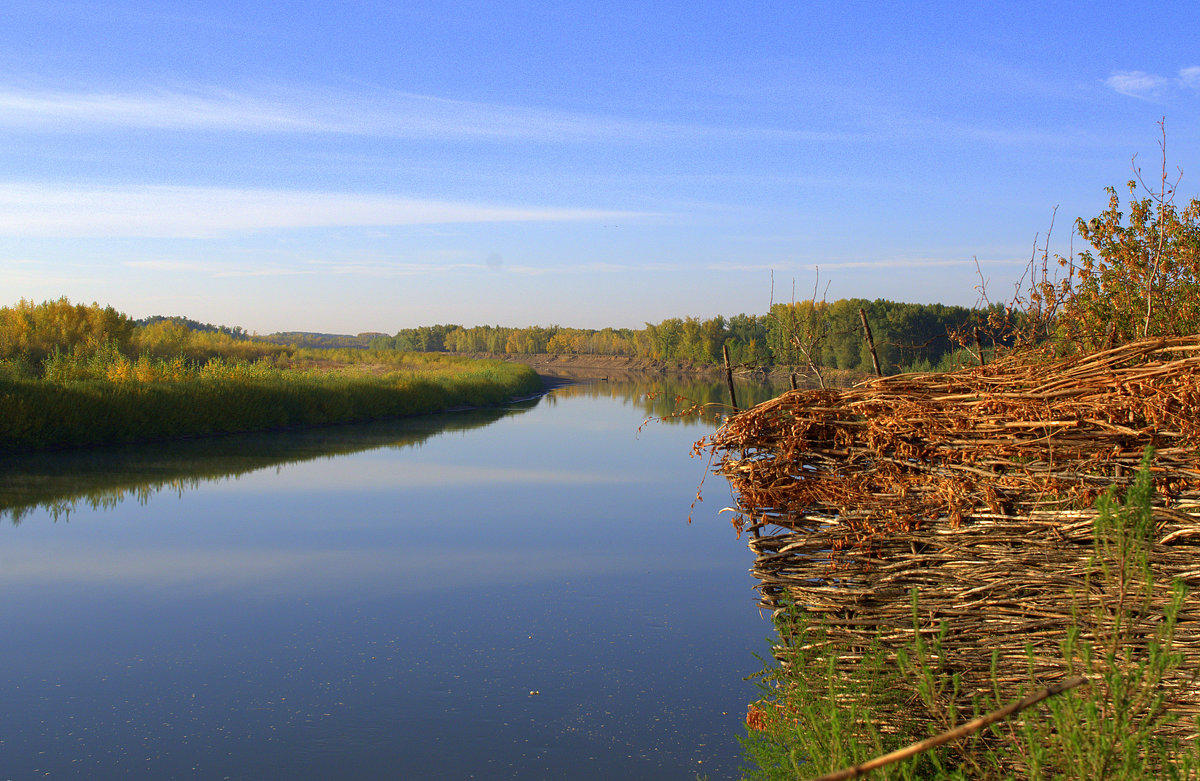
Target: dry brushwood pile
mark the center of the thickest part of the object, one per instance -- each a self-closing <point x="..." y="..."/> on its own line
<point x="975" y="487"/>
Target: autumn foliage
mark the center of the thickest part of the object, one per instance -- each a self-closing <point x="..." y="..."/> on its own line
<point x="32" y="332"/>
<point x="1139" y="278"/>
<point x="1142" y="275"/>
<point x="73" y="375"/>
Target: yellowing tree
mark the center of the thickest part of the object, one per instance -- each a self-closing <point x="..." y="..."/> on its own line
<point x="1142" y="275"/>
<point x="34" y="331"/>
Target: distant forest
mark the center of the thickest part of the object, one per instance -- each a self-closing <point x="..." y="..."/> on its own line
<point x="908" y="337"/>
<point x="237" y="332"/>
<point x="324" y="341"/>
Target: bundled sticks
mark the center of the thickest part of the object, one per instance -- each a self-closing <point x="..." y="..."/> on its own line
<point x="975" y="487"/>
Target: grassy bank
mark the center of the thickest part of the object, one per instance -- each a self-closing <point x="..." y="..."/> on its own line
<point x="106" y="398"/>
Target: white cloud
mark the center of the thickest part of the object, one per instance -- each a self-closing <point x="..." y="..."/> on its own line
<point x="1147" y="86"/>
<point x="1137" y="84"/>
<point x="882" y="263"/>
<point x="379" y="113"/>
<point x="422" y="264"/>
<point x="441" y="262"/>
<point x="196" y="212"/>
<point x="391" y="269"/>
<point x="386" y="114"/>
<point x="263" y="272"/>
<point x="22" y="276"/>
<point x="166" y="110"/>
<point x="215" y="268"/>
<point x="166" y="265"/>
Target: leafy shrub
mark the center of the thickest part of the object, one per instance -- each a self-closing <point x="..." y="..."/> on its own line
<point x="1142" y="275"/>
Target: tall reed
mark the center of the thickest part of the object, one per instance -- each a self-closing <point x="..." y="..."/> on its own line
<point x="106" y="397"/>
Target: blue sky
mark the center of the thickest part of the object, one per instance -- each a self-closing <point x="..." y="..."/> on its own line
<point x="371" y="166"/>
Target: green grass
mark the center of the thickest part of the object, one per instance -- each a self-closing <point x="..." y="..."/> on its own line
<point x="821" y="712"/>
<point x="108" y="398"/>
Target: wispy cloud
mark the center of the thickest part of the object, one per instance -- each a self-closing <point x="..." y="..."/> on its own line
<point x="264" y="272"/>
<point x="1136" y="84"/>
<point x="396" y="268"/>
<point x="386" y="268"/>
<point x="215" y="268"/>
<point x="880" y="263"/>
<point x="22" y="274"/>
<point x="72" y="111"/>
<point x="166" y="265"/>
<point x="1151" y="86"/>
<point x="426" y="263"/>
<point x="199" y="212"/>
<point x="377" y="113"/>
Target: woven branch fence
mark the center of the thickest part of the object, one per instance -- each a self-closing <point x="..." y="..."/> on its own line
<point x="977" y="488"/>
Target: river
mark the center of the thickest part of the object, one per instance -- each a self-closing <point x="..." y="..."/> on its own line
<point x="508" y="593"/>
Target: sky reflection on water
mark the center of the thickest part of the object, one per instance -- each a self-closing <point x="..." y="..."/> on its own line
<point x="387" y="612"/>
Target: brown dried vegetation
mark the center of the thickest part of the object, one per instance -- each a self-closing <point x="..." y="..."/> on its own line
<point x="974" y="487"/>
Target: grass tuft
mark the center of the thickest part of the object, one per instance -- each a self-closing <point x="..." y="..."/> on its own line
<point x="819" y="706"/>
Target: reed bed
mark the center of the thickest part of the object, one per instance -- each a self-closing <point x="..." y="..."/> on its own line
<point x="977" y="489"/>
<point x="99" y="400"/>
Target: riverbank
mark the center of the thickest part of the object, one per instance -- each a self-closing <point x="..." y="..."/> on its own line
<point x="219" y="398"/>
<point x="599" y="367"/>
<point x="612" y="367"/>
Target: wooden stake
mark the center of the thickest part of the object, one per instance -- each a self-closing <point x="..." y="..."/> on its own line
<point x="862" y="315"/>
<point x="729" y="376"/>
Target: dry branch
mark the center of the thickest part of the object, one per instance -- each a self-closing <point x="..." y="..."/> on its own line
<point x="977" y="488"/>
<point x="961" y="731"/>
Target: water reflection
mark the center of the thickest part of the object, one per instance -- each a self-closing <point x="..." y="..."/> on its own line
<point x="100" y="478"/>
<point x="664" y="398"/>
<point x="384" y="612"/>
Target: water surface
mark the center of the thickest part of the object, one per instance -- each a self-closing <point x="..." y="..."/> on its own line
<point x="508" y="593"/>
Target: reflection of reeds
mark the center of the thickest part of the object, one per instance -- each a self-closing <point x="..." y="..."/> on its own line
<point x="91" y="401"/>
<point x="59" y="482"/>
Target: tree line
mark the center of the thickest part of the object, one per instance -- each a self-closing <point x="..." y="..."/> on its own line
<point x="1139" y="278"/>
<point x="908" y="337"/>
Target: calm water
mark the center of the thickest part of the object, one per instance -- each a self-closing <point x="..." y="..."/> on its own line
<point x="380" y="601"/>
